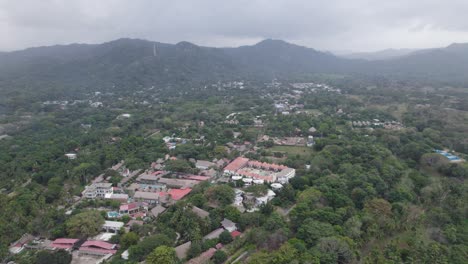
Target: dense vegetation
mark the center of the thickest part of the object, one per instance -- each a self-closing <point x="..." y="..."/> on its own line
<point x="369" y="196"/>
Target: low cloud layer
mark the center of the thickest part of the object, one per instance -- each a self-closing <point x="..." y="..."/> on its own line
<point x="359" y="25"/>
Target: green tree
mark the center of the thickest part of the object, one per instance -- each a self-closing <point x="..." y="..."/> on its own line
<point x="129" y="239"/>
<point x="50" y="257"/>
<point x="85" y="224"/>
<point x="219" y="257"/>
<point x="162" y="255"/>
<point x="220" y="194"/>
<point x="225" y="237"/>
<point x="312" y="230"/>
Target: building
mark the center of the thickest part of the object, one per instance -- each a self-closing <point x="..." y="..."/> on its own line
<point x="18" y="246"/>
<point x="112" y="226"/>
<point x="236" y="165"/>
<point x="204" y="257"/>
<point x="228" y="225"/>
<point x="148" y="178"/>
<point x="182" y="250"/>
<point x="204" y="164"/>
<point x="285" y="175"/>
<point x="214" y="234"/>
<point x="175" y="194"/>
<point x="63" y="243"/>
<point x="156" y="211"/>
<point x="97" y="190"/>
<point x="71" y="156"/>
<point x="200" y="212"/>
<point x="99" y="248"/>
<point x="120" y="197"/>
<point x="258" y="172"/>
<point x="178" y="183"/>
<point x="148" y="197"/>
<point x="133" y="208"/>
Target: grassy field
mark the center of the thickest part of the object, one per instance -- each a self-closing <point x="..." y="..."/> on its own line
<point x="292" y="150"/>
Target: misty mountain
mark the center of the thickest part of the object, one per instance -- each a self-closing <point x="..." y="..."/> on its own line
<point x="132" y="62"/>
<point x="377" y="55"/>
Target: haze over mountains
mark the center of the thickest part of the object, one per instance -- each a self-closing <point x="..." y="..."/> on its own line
<point x="130" y="62"/>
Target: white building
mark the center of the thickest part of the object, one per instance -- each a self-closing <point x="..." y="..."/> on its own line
<point x="97" y="190"/>
<point x="71" y="156"/>
<point x="112" y="226"/>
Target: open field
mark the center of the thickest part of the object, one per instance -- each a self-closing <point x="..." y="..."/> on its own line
<point x="292" y="150"/>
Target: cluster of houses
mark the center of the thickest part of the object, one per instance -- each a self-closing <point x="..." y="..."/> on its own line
<point x="226" y="225"/>
<point x="390" y="125"/>
<point x="97" y="248"/>
<point x="251" y="171"/>
<point x="315" y="87"/>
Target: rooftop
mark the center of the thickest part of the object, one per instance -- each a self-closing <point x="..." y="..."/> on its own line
<point x="236" y="164"/>
<point x="146" y="195"/>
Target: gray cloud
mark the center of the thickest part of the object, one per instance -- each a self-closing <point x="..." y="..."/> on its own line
<point x="322" y="24"/>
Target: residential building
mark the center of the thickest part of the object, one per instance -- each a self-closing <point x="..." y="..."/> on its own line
<point x="97" y="190"/>
<point x="63" y="243"/>
<point x="181" y="250"/>
<point x="228" y="225"/>
<point x="156" y="211"/>
<point x="120" y="197"/>
<point x="200" y="212"/>
<point x="204" y="164"/>
<point x="112" y="226"/>
<point x="99" y="248"/>
<point x="133" y="208"/>
<point x="148" y="197"/>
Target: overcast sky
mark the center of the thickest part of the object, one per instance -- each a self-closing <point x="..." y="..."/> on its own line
<point x="359" y="25"/>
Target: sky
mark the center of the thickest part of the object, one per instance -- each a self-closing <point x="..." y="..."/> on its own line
<point x="332" y="25"/>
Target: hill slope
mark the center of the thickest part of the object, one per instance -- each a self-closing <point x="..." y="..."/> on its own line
<point x="132" y="62"/>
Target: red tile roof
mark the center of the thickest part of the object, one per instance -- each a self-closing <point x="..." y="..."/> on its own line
<point x="198" y="178"/>
<point x="178" y="194"/>
<point x="236" y="164"/>
<point x="130" y="206"/>
<point x="98" y="244"/>
<point x="64" y="243"/>
<point x="235" y="234"/>
<point x="98" y="250"/>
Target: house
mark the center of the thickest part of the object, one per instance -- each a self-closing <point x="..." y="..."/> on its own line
<point x="235" y="165"/>
<point x="18" y="246"/>
<point x="132" y="208"/>
<point x="97" y="190"/>
<point x="156" y="211"/>
<point x="228" y="225"/>
<point x="203" y="258"/>
<point x="285" y="175"/>
<point x="178" y="183"/>
<point x="99" y="248"/>
<point x="63" y="243"/>
<point x="112" y="226"/>
<point x="148" y="178"/>
<point x="209" y="173"/>
<point x="71" y="156"/>
<point x="214" y="234"/>
<point x="181" y="251"/>
<point x="200" y="212"/>
<point x="176" y="194"/>
<point x="265" y="199"/>
<point x="204" y="164"/>
<point x="120" y="197"/>
<point x="148" y="197"/>
<point x="235" y="234"/>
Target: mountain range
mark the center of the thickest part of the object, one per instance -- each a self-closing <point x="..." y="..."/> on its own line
<point x="135" y="62"/>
